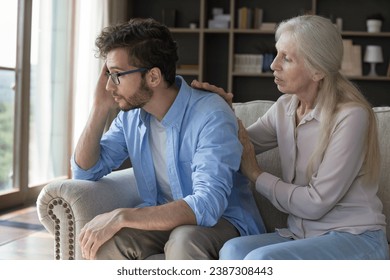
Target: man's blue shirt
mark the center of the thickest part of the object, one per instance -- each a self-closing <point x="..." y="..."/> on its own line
<point x="203" y="156"/>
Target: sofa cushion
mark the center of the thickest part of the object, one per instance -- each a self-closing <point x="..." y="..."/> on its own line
<point x="250" y="111"/>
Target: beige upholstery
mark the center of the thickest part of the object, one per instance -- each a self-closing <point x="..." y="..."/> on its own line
<point x="65" y="206"/>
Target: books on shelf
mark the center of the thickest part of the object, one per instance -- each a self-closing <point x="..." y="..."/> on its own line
<point x="249" y="18"/>
<point x="388" y="69"/>
<point x="268" y="26"/>
<point x="257" y="18"/>
<point x="244" y="18"/>
<point x="248" y="63"/>
<point x="352" y="59"/>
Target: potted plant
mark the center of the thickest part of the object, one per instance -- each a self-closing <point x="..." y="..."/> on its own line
<point x="374" y="22"/>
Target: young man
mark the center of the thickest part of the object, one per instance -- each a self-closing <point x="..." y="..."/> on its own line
<point x="183" y="147"/>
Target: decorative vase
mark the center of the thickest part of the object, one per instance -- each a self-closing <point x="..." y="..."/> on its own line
<point x="374" y="25"/>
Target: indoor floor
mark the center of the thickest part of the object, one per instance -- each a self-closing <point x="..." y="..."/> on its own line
<point x="22" y="236"/>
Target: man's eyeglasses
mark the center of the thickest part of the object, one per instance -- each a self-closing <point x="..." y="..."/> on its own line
<point x="115" y="76"/>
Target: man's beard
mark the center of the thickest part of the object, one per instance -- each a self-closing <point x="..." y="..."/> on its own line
<point x="141" y="97"/>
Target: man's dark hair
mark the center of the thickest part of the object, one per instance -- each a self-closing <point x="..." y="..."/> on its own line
<point x="148" y="43"/>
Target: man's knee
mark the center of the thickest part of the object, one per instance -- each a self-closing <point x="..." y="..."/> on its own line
<point x="110" y="250"/>
<point x="133" y="244"/>
<point x="186" y="242"/>
<point x="183" y="237"/>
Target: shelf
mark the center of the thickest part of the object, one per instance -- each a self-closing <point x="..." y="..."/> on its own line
<point x="253" y="31"/>
<point x="207" y="54"/>
<point x="270" y="75"/>
<point x="259" y="31"/>
<point x="216" y="30"/>
<point x="187" y="72"/>
<point x="365" y="34"/>
<point x="185" y="30"/>
<point x="271" y="32"/>
<point x="246" y="74"/>
<point x="370" y="78"/>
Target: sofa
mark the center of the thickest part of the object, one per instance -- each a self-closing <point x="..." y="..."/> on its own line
<point x="65" y="206"/>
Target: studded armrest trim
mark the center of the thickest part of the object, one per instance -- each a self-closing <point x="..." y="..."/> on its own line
<point x="64" y="229"/>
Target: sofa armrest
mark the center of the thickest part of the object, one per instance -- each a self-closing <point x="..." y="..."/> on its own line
<point x="65" y="206"/>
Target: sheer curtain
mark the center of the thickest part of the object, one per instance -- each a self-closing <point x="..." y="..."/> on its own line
<point x="50" y="90"/>
<point x="91" y="17"/>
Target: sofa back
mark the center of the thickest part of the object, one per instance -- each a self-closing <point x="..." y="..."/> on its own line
<point x="250" y="111"/>
<point x="383" y="120"/>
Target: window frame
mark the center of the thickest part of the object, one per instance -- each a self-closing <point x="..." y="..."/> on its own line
<point x="22" y="193"/>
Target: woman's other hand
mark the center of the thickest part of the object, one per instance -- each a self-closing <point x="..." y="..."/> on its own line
<point x="249" y="166"/>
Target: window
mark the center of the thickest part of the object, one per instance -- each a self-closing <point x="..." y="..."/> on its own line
<point x="35" y="96"/>
<point x="8" y="28"/>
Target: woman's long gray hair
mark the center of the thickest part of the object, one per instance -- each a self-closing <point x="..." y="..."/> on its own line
<point x="320" y="44"/>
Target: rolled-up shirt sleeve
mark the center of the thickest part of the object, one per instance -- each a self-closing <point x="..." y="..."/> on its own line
<point x="217" y="157"/>
<point x="113" y="151"/>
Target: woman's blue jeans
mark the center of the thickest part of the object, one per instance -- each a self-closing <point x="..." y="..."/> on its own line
<point x="370" y="245"/>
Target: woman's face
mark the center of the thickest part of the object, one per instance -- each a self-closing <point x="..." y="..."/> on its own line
<point x="291" y="74"/>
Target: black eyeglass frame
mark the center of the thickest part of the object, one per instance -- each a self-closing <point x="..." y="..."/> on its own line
<point x="115" y="76"/>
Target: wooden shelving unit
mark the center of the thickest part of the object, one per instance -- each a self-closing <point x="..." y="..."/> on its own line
<point x="207" y="54"/>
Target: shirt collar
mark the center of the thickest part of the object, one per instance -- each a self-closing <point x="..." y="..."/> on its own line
<point x="175" y="112"/>
<point x="292" y="108"/>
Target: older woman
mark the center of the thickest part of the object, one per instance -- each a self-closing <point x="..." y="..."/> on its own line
<point x="327" y="137"/>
